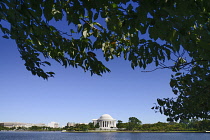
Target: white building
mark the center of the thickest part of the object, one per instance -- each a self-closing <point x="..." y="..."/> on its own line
<point x="106" y="122"/>
<point x="53" y="124"/>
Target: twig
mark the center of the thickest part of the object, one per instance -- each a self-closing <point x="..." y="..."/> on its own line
<point x="180" y="66"/>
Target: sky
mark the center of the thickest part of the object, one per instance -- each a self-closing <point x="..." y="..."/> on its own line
<point x="75" y="96"/>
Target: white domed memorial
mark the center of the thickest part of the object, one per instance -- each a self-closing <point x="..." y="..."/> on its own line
<point x="106" y="122"/>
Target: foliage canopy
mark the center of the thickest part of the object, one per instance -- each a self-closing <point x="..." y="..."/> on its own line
<point x="176" y="29"/>
<point x="133" y="123"/>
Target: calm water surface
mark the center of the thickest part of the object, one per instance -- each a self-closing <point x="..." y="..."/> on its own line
<point x="102" y="136"/>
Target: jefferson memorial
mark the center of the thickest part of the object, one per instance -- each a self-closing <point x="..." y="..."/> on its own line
<point x="106" y="122"/>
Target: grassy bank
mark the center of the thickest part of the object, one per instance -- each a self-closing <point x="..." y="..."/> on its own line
<point x="134" y="131"/>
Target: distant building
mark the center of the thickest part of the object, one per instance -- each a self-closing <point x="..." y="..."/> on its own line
<point x="106" y="122"/>
<point x="12" y="124"/>
<point x="71" y="124"/>
<point x="53" y="124"/>
<point x="18" y="124"/>
<point x="40" y="125"/>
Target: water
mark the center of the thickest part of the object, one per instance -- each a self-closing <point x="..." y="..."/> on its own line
<point x="101" y="136"/>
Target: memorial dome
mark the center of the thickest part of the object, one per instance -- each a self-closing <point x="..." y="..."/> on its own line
<point x="105" y="122"/>
<point x="106" y="117"/>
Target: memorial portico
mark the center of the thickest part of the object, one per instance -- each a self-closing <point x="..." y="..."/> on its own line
<point x="105" y="122"/>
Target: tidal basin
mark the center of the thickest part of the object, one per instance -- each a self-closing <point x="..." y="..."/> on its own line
<point x="101" y="136"/>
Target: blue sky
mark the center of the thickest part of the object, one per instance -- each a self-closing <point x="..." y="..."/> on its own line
<point x="75" y="96"/>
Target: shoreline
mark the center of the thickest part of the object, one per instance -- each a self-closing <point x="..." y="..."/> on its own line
<point x="135" y="132"/>
<point x="92" y="131"/>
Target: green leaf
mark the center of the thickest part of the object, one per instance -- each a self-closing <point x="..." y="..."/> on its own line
<point x="5" y="36"/>
<point x="90" y="15"/>
<point x="48" y="9"/>
<point x="160" y="102"/>
<point x="103" y="14"/>
<point x="58" y="16"/>
<point x="178" y="73"/>
<point x="153" y="33"/>
<point x="114" y="5"/>
<point x="48" y="63"/>
<point x="96" y="16"/>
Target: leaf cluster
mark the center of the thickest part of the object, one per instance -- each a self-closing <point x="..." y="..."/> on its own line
<point x="192" y="91"/>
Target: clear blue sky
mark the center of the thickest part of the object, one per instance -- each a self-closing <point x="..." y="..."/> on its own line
<point x="75" y="96"/>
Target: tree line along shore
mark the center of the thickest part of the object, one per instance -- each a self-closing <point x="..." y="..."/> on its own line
<point x="133" y="125"/>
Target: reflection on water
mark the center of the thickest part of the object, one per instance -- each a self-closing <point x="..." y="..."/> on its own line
<point x="101" y="136"/>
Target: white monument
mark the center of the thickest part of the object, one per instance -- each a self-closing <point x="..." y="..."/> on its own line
<point x="106" y="122"/>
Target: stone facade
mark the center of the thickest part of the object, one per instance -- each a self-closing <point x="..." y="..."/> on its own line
<point x="106" y="122"/>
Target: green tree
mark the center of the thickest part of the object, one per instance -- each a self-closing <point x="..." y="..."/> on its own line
<point x="193" y="96"/>
<point x="69" y="128"/>
<point x="119" y="124"/>
<point x="81" y="127"/>
<point x="84" y="127"/>
<point x="182" y="26"/>
<point x="185" y="124"/>
<point x="133" y="123"/>
<point x="91" y="126"/>
<point x="35" y="128"/>
<point x="3" y="128"/>
<point x="97" y="125"/>
<point x="146" y="127"/>
<point x="200" y="125"/>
